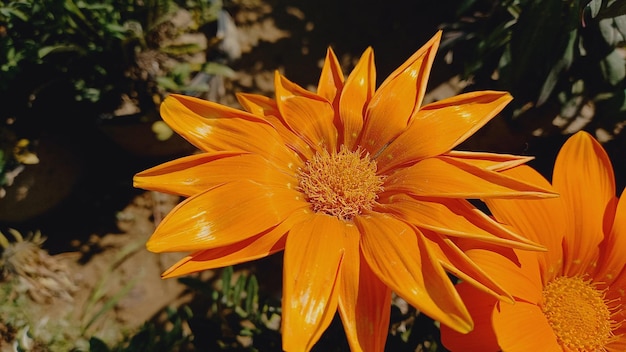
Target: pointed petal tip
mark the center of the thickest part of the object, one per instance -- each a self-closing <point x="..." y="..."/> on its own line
<point x="156" y="246"/>
<point x="460" y="324"/>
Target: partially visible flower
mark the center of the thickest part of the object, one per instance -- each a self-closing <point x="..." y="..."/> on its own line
<point x="570" y="298"/>
<point x="358" y="185"/>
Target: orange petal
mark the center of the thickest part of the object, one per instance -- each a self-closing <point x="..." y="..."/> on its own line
<point x="438" y="127"/>
<point x="213" y="127"/>
<point x="516" y="271"/>
<point x="223" y="215"/>
<point x="307" y="114"/>
<point x="261" y="105"/>
<point x="399" y="97"/>
<point x="490" y="161"/>
<point x="397" y="254"/>
<point x="583" y="175"/>
<point x="612" y="260"/>
<point x="255" y="247"/>
<point x="194" y="174"/>
<point x="543" y="221"/>
<point x="364" y="300"/>
<point x="456" y="262"/>
<point x="482" y="338"/>
<point x="312" y="261"/>
<point x="358" y="90"/>
<point x="522" y="327"/>
<point x="618" y="345"/>
<point x="442" y="177"/>
<point x="331" y="79"/>
<point x="454" y="217"/>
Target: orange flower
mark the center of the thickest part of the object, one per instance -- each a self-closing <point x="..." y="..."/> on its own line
<point x="358" y="185"/>
<point x="570" y="298"/>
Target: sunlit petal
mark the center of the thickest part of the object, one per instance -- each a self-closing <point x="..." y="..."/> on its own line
<point x="582" y="164"/>
<point x="398" y="256"/>
<point x="490" y="161"/>
<point x="364" y="300"/>
<point x="453" y="217"/>
<point x="613" y="261"/>
<point x="312" y="262"/>
<point x="441" y="126"/>
<point x="196" y="173"/>
<point x="441" y="177"/>
<point x="543" y="221"/>
<point x="213" y="127"/>
<point x="457" y="263"/>
<point x="522" y="327"/>
<point x="331" y="78"/>
<point x="223" y="215"/>
<point x="308" y="115"/>
<point x="266" y="107"/>
<point x="252" y="248"/>
<point x="502" y="264"/>
<point x="358" y="90"/>
<point x="398" y="98"/>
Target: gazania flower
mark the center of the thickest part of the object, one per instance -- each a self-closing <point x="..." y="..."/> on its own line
<point x="570" y="298"/>
<point x="357" y="185"/>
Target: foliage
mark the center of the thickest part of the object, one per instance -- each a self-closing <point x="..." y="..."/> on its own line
<point x="564" y="57"/>
<point x="237" y="316"/>
<point x="84" y="56"/>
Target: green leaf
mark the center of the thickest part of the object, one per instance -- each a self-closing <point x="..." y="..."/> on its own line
<point x="46" y="50"/>
<point x="167" y="83"/>
<point x="252" y="295"/>
<point x="613" y="68"/>
<point x="620" y="25"/>
<point x="213" y="68"/>
<point x="182" y="49"/>
<point x="595" y="6"/>
<point x="13" y="12"/>
<point x="561" y="65"/>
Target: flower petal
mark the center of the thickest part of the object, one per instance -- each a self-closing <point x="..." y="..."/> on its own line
<point x="612" y="260"/>
<point x="252" y="248"/>
<point x="312" y="262"/>
<point x="544" y="221"/>
<point x="456" y="262"/>
<point x="213" y="127"/>
<point x="583" y="175"/>
<point x="364" y="300"/>
<point x="263" y="106"/>
<point x="357" y="92"/>
<point x="482" y="338"/>
<point x="307" y="114"/>
<point x="399" y="97"/>
<point x="331" y="78"/>
<point x="194" y="174"/>
<point x="453" y="217"/>
<point x="522" y="327"/>
<point x="490" y="161"/>
<point x="398" y="256"/>
<point x="224" y="215"/>
<point x="516" y="271"/>
<point x="443" y="177"/>
<point x="438" y="127"/>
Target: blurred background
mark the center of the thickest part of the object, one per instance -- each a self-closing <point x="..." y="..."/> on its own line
<point x="81" y="82"/>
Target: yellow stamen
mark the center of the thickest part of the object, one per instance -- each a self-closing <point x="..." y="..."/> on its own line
<point x="341" y="184"/>
<point x="578" y="313"/>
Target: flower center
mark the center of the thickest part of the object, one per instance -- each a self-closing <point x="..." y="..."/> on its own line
<point x="578" y="313"/>
<point x="341" y="184"/>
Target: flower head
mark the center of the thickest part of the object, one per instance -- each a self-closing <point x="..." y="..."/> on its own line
<point x="359" y="186"/>
<point x="570" y="298"/>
